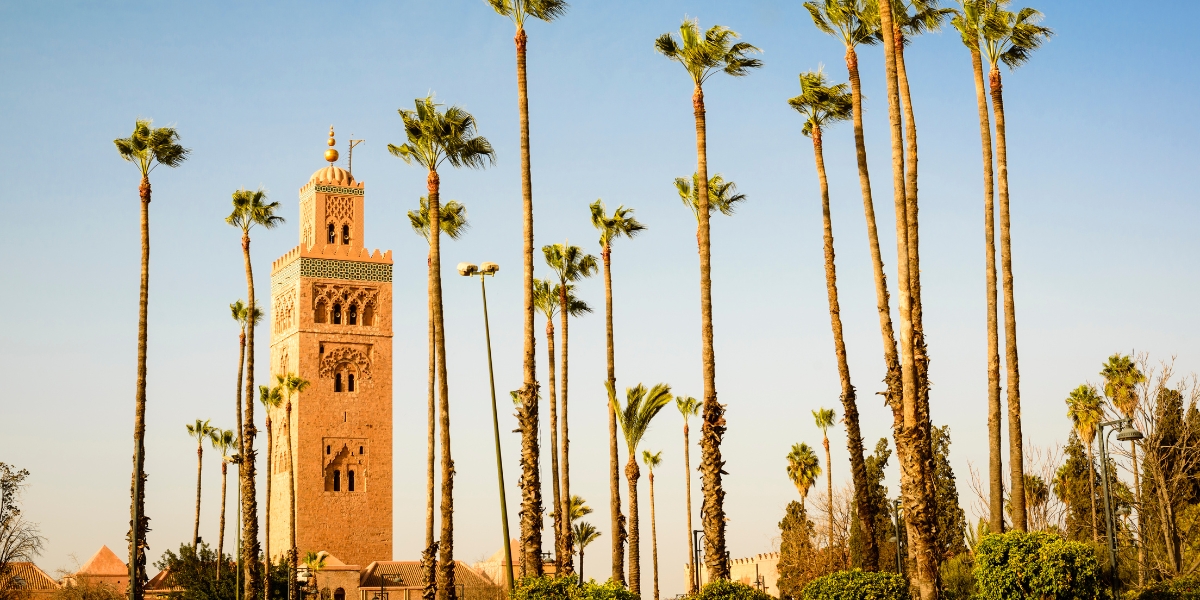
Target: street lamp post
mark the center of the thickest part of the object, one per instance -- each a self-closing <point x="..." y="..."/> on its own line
<point x="483" y="270"/>
<point x="899" y="563"/>
<point x="1126" y="434"/>
<point x="696" y="556"/>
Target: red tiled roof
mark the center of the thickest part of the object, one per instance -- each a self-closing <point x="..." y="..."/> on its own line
<point x="407" y="573"/>
<point x="27" y="576"/>
<point x="103" y="563"/>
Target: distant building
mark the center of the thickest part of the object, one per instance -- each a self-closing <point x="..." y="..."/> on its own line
<point x="104" y="567"/>
<point x="759" y="571"/>
<point x="30" y="582"/>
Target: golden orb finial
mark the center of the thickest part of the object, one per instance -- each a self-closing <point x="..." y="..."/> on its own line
<point x="331" y="154"/>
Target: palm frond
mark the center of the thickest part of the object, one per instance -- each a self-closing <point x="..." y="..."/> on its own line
<point x="620" y="224"/>
<point x="820" y="102"/>
<point x="147" y="147"/>
<point x="641" y="406"/>
<point x="688" y="407"/>
<point x="704" y="55"/>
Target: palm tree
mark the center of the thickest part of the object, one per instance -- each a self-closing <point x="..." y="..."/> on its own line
<point x="1086" y="409"/>
<point x="270" y="397"/>
<point x="200" y="430"/>
<point x="688" y="407"/>
<point x="584" y="534"/>
<point x="434" y="137"/>
<point x="571" y="264"/>
<point x="620" y="223"/>
<point x="1121" y="378"/>
<point x="652" y="461"/>
<point x="1009" y="38"/>
<point x="825" y="418"/>
<point x="822" y="105"/>
<point x="722" y="196"/>
<point x="968" y="22"/>
<point x="146" y="148"/>
<point x="803" y="468"/>
<point x="545" y="299"/>
<point x="250" y="209"/>
<point x="641" y="406"/>
<point x="241" y="315"/>
<point x="453" y="223"/>
<point x="291" y="384"/>
<point x="223" y="440"/>
<point x="703" y="55"/>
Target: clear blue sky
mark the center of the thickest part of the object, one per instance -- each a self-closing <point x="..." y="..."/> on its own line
<point x="1102" y="143"/>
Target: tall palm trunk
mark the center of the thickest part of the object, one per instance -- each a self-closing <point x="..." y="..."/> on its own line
<point x="531" y="487"/>
<point x="447" y="589"/>
<point x="614" y="480"/>
<point x="854" y="444"/>
<point x="653" y="535"/>
<point x="293" y="555"/>
<point x="221" y="527"/>
<point x="918" y="507"/>
<point x="568" y="550"/>
<point x="1015" y="441"/>
<point x="892" y="394"/>
<point x="687" y="471"/>
<point x="138" y="521"/>
<point x="712" y="512"/>
<point x="429" y="555"/>
<point x="267" y="508"/>
<point x="995" y="454"/>
<point x="559" y="515"/>
<point x="251" y="579"/>
<point x="829" y="490"/>
<point x="632" y="473"/>
<point x="199" y="478"/>
<point x="1092" y="490"/>
<point x="238" y="405"/>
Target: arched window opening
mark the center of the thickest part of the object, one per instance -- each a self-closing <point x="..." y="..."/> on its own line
<point x="332" y="235"/>
<point x="337" y="314"/>
<point x="350" y="481"/>
<point x="368" y="315"/>
<point x="327" y="449"/>
<point x="319" y="312"/>
<point x="345" y="234"/>
<point x="337" y="481"/>
<point x="350" y="382"/>
<point x="353" y="314"/>
<point x="339" y="594"/>
<point x="360" y="450"/>
<point x="337" y="382"/>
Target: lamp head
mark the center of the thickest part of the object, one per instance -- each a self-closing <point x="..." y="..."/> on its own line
<point x="489" y="268"/>
<point x="1128" y="433"/>
<point x="467" y="269"/>
<point x="1124" y="511"/>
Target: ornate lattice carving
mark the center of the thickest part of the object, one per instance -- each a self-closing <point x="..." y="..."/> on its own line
<point x="285" y="311"/>
<point x="339" y="209"/>
<point x="338" y="357"/>
<point x="307" y="218"/>
<point x="330" y="293"/>
<point x="325" y="268"/>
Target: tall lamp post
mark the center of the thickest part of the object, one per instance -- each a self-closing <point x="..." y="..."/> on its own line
<point x="896" y="511"/>
<point x="483" y="270"/>
<point x="696" y="539"/>
<point x="1126" y="434"/>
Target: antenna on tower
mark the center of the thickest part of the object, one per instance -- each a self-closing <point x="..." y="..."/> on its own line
<point x="350" y="154"/>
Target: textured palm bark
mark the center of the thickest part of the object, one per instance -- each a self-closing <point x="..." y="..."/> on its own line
<point x="292" y="555"/>
<point x="429" y="564"/>
<point x="614" y="478"/>
<point x="712" y="513"/>
<point x="920" y="352"/>
<point x="567" y="552"/>
<point x="1015" y="440"/>
<point x="559" y="515"/>
<point x="138" y="521"/>
<point x="429" y="555"/>
<point x="531" y="495"/>
<point x="238" y="391"/>
<point x="995" y="454"/>
<point x="632" y="474"/>
<point x="221" y="525"/>
<point x="653" y="535"/>
<point x="447" y="590"/>
<point x="252" y="578"/>
<point x="687" y="471"/>
<point x="199" y="479"/>
<point x="267" y="507"/>
<point x="918" y="508"/>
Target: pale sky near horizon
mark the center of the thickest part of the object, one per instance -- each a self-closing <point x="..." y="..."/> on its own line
<point x="1103" y="199"/>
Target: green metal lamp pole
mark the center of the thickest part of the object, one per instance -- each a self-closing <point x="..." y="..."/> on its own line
<point x="1126" y="434"/>
<point x="483" y="270"/>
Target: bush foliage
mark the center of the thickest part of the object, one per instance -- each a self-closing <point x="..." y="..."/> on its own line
<point x="1184" y="588"/>
<point x="857" y="585"/>
<point x="730" y="590"/>
<point x="568" y="588"/>
<point x="1038" y="565"/>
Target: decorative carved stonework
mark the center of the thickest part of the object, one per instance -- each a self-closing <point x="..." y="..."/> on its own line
<point x="285" y="311"/>
<point x="330" y="293"/>
<point x="337" y="356"/>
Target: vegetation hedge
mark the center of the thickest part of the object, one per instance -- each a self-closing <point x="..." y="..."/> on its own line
<point x="1184" y="588"/>
<point x="857" y="585"/>
<point x="1037" y="565"/>
<point x="568" y="588"/>
<point x="730" y="590"/>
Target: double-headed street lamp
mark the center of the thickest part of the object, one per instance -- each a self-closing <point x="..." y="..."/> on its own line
<point x="1126" y="434"/>
<point x="483" y="270"/>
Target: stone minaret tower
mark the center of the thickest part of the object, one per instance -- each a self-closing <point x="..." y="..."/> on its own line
<point x="331" y="323"/>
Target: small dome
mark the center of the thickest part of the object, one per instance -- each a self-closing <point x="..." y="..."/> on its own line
<point x="332" y="175"/>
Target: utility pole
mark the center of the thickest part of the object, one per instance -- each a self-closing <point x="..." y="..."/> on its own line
<point x="350" y="154"/>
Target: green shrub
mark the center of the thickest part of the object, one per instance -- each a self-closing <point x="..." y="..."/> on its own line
<point x="958" y="582"/>
<point x="568" y="588"/>
<point x="1036" y="565"/>
<point x="609" y="590"/>
<point x="722" y="589"/>
<point x="857" y="585"/>
<point x="1184" y="588"/>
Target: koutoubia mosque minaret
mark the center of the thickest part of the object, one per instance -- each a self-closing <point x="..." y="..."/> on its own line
<point x="331" y="323"/>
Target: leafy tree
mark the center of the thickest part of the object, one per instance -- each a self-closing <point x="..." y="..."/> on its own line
<point x="146" y="148"/>
<point x="652" y="461"/>
<point x="621" y="223"/>
<point x="1075" y="486"/>
<point x="856" y="584"/>
<point x="20" y="540"/>
<point x="702" y="56"/>
<point x="437" y="136"/>
<point x="194" y="571"/>
<point x="795" y="549"/>
<point x="803" y="468"/>
<point x="688" y="407"/>
<point x="951" y="520"/>
<point x="641" y="406"/>
<point x="1017" y="565"/>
